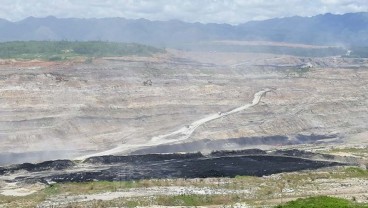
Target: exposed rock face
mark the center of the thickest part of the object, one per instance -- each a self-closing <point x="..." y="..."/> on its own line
<point x="78" y="108"/>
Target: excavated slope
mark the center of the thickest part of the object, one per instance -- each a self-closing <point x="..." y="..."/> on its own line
<point x="70" y="109"/>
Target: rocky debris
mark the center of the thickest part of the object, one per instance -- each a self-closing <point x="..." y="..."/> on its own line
<point x="140" y="192"/>
<point x="307" y="65"/>
<point x="147" y="82"/>
<point x="301" y="153"/>
<point x="306" y="139"/>
<point x="38" y="167"/>
<point x="238" y="152"/>
<point x="2" y="170"/>
<point x="317" y="156"/>
<point x="110" y="159"/>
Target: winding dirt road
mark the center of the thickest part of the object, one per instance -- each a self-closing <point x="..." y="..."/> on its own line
<point x="181" y="134"/>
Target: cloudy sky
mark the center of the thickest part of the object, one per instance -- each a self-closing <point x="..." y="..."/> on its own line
<point x="205" y="11"/>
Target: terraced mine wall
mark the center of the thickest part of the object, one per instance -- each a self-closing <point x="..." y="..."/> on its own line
<point x="105" y="104"/>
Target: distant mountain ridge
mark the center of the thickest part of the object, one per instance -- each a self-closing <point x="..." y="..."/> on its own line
<point x="328" y="29"/>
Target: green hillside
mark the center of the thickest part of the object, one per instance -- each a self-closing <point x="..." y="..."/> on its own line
<point x="64" y="50"/>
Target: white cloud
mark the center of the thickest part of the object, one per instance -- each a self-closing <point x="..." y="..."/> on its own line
<point x="219" y="11"/>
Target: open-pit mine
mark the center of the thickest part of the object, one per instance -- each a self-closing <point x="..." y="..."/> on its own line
<point x="177" y="116"/>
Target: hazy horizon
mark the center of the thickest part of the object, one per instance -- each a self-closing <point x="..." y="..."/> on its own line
<point x="205" y="11"/>
<point x="52" y="16"/>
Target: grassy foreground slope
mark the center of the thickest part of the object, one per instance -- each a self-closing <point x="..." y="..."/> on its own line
<point x="63" y="50"/>
<point x="253" y="191"/>
<point x="322" y="202"/>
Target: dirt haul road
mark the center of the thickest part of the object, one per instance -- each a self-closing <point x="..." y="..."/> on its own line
<point x="181" y="134"/>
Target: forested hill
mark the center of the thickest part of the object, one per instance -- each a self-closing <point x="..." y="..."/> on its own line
<point x="328" y="29"/>
<point x="64" y="50"/>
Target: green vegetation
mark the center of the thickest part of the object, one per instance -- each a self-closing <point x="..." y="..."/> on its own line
<point x="178" y="200"/>
<point x="196" y="200"/>
<point x="361" y="152"/>
<point x="93" y="187"/>
<point x="65" y="50"/>
<point x="322" y="202"/>
<point x="297" y="72"/>
<point x="90" y="187"/>
<point x="356" y="172"/>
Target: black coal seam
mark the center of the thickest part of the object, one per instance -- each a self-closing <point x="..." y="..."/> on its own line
<point x="43" y="166"/>
<point x="230" y="166"/>
<point x="111" y="159"/>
